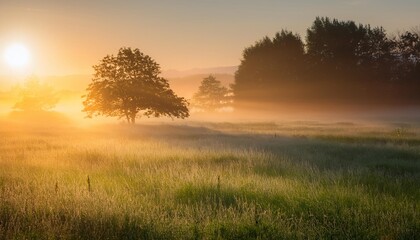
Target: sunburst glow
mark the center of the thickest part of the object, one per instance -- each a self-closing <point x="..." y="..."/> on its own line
<point x="17" y="56"/>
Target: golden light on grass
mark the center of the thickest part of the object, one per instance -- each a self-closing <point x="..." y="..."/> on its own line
<point x="17" y="56"/>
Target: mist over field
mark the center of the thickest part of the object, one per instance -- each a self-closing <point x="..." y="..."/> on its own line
<point x="72" y="88"/>
<point x="209" y="119"/>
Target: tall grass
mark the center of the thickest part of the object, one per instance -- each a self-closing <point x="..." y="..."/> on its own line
<point x="220" y="181"/>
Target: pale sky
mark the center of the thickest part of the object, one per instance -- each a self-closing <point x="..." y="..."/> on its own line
<point x="68" y="37"/>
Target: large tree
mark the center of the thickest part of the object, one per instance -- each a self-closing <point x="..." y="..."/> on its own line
<point x="268" y="66"/>
<point x="211" y="95"/>
<point x="343" y="50"/>
<point x="333" y="48"/>
<point x="342" y="63"/>
<point x="128" y="85"/>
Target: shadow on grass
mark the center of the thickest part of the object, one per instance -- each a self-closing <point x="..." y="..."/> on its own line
<point x="226" y="197"/>
<point x="332" y="155"/>
<point x="340" y="214"/>
<point x="158" y="131"/>
<point x="291" y="203"/>
<point x="67" y="225"/>
<point x="114" y="228"/>
<point x="378" y="169"/>
<point x="381" y="140"/>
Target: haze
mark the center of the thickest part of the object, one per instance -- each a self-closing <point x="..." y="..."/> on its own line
<point x="209" y="119"/>
<point x="68" y="37"/>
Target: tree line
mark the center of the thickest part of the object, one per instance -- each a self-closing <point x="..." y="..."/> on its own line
<point x="339" y="62"/>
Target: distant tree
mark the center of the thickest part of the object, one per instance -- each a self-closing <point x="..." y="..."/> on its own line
<point x="269" y="65"/>
<point x="408" y="53"/>
<point x="35" y="96"/>
<point x="211" y="95"/>
<point x="128" y="85"/>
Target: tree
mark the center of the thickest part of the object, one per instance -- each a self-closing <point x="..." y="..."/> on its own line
<point x="35" y="96"/>
<point x="353" y="62"/>
<point x="332" y="47"/>
<point x="343" y="50"/>
<point x="374" y="55"/>
<point x="128" y="85"/>
<point x="408" y="52"/>
<point x="269" y="65"/>
<point x="211" y="95"/>
<point x="341" y="63"/>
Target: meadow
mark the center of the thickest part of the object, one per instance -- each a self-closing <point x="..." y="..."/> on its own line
<point x="280" y="180"/>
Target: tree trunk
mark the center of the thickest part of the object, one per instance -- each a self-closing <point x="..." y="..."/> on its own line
<point x="133" y="117"/>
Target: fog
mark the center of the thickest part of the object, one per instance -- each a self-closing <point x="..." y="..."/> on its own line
<point x="67" y="112"/>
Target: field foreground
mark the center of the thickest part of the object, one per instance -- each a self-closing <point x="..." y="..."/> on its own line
<point x="294" y="180"/>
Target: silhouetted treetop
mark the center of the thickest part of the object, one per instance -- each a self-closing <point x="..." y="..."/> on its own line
<point x="408" y="50"/>
<point x="340" y="61"/>
<point x="328" y="40"/>
<point x="269" y="63"/>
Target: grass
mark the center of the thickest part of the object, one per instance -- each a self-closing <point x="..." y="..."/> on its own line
<point x="296" y="180"/>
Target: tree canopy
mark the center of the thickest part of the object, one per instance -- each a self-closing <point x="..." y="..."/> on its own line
<point x="340" y="62"/>
<point x="343" y="50"/>
<point x="128" y="85"/>
<point x="36" y="96"/>
<point x="267" y="64"/>
<point x="211" y="95"/>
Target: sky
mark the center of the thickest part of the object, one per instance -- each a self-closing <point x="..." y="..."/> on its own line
<point x="68" y="37"/>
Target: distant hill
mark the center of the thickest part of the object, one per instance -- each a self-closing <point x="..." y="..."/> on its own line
<point x="197" y="71"/>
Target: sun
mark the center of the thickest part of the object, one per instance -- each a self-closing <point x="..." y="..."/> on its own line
<point x="17" y="55"/>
